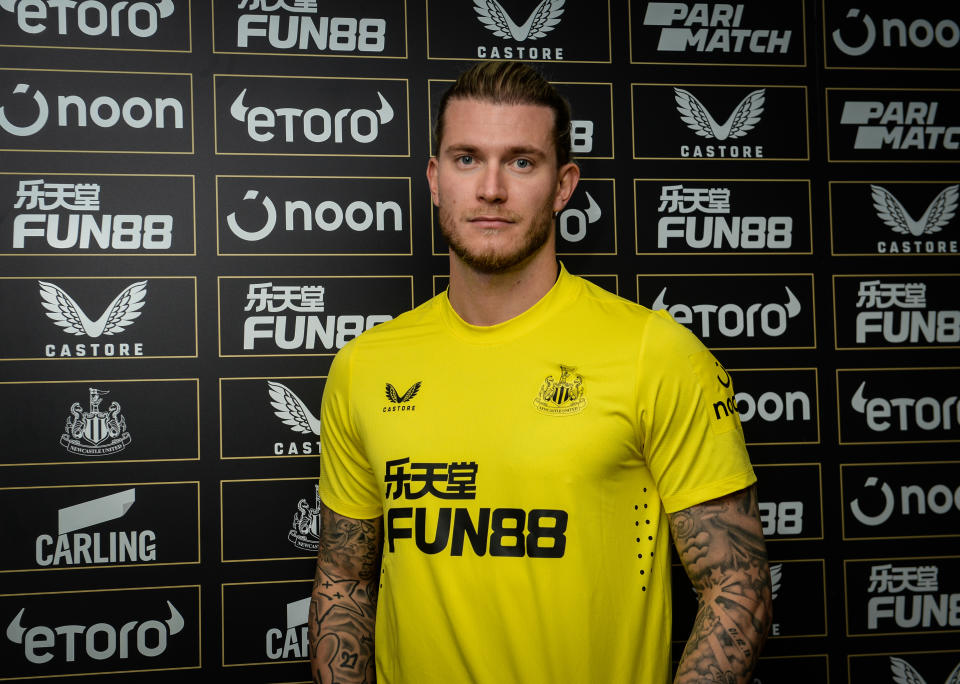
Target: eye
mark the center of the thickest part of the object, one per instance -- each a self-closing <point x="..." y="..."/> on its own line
<point x="465" y="159"/>
<point x="523" y="163"/>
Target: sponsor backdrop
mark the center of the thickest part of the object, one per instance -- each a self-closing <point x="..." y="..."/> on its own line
<point x="201" y="201"/>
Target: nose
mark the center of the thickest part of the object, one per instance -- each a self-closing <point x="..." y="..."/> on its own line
<point x="491" y="187"/>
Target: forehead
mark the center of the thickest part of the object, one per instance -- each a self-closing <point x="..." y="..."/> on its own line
<point x="480" y="122"/>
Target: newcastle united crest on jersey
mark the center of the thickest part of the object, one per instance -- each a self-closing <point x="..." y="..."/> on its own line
<point x="561" y="397"/>
<point x="95" y="432"/>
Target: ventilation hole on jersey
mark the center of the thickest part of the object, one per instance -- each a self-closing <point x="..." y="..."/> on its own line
<point x="640" y="555"/>
<point x="648" y="522"/>
<point x="635" y="507"/>
<point x="643" y="588"/>
<point x="638" y="538"/>
<point x="650" y="538"/>
<point x="642" y="572"/>
<point x="636" y="522"/>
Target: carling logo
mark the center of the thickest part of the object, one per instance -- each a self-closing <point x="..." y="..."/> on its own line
<point x="719" y="122"/>
<point x="922" y="35"/>
<point x="101" y="24"/>
<point x="904" y="311"/>
<point x="748" y="32"/>
<point x="290" y="642"/>
<point x="893" y="125"/>
<point x="297" y="27"/>
<point x="532" y="30"/>
<point x="313" y="215"/>
<point x="311" y="115"/>
<point x="892" y="500"/>
<point x="737" y="311"/>
<point x="39" y="112"/>
<point x="306" y="315"/>
<point x="721" y="216"/>
<point x="95" y="432"/>
<point x="866" y="217"/>
<point x="898" y="405"/>
<point x="99" y="214"/>
<point x="74" y="548"/>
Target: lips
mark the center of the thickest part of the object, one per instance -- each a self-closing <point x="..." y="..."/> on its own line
<point x="491" y="220"/>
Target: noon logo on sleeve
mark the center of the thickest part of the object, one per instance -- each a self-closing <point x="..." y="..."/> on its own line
<point x="153" y="25"/>
<point x="705" y="121"/>
<point x="334" y="28"/>
<point x="737" y="311"/>
<point x="700" y="216"/>
<point x="894" y="217"/>
<point x="746" y="33"/>
<point x="100" y="421"/>
<point x="97" y="112"/>
<point x="305" y="316"/>
<point x="306" y="115"/>
<point x="89" y="215"/>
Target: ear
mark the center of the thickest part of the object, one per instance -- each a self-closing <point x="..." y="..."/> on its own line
<point x="567" y="178"/>
<point x="432" y="170"/>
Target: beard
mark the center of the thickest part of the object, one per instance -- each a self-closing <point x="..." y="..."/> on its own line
<point x="491" y="260"/>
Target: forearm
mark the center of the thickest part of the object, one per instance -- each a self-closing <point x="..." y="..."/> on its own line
<point x="343" y="603"/>
<point x="722" y="549"/>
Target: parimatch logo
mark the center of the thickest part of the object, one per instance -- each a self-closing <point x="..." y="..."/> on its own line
<point x="68" y="633"/>
<point x="894" y="217"/>
<point x="38" y="111"/>
<point x="903" y="405"/>
<point x="307" y="315"/>
<point x="700" y="121"/>
<point x="528" y="30"/>
<point x="313" y="215"/>
<point x="153" y="25"/>
<point x="901" y="500"/>
<point x="906" y="124"/>
<point x="887" y="34"/>
<point x="97" y="214"/>
<point x="302" y="115"/>
<point x="737" y="311"/>
<point x="722" y="216"/>
<point x="918" y="310"/>
<point x="753" y="32"/>
<point x="335" y="28"/>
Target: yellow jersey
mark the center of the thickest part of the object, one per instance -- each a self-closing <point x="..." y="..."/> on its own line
<point x="524" y="472"/>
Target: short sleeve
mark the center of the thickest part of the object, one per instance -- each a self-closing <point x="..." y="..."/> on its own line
<point x="693" y="441"/>
<point x="347" y="483"/>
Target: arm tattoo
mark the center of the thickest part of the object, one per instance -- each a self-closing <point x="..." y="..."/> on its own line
<point x="721" y="547"/>
<point x="343" y="604"/>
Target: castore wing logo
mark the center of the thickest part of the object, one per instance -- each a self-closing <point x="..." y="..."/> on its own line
<point x="699" y="120"/>
<point x="67" y="314"/>
<point x="938" y="213"/>
<point x="396" y="398"/>
<point x="561" y="397"/>
<point x="904" y="673"/>
<point x="86" y="433"/>
<point x="291" y="409"/>
<point x="541" y="21"/>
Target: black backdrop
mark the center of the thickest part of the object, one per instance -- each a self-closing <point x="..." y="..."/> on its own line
<point x="240" y="186"/>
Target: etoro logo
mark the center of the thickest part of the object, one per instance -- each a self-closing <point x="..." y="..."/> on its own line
<point x="908" y="414"/>
<point x="90" y="17"/>
<point x="937" y="215"/>
<point x="73" y="111"/>
<point x="541" y="20"/>
<point x="312" y="125"/>
<point x="574" y="221"/>
<point x="73" y="548"/>
<point x="99" y="642"/>
<point x="731" y="320"/>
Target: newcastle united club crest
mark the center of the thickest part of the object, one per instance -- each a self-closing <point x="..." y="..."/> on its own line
<point x="95" y="432"/>
<point x="563" y="396"/>
<point x="305" y="534"/>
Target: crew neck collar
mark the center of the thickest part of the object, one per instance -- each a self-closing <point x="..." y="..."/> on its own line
<point x="520" y="324"/>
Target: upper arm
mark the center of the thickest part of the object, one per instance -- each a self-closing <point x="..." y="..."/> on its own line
<point x="350" y="546"/>
<point x="721" y="541"/>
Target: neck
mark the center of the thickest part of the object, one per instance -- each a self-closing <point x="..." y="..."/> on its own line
<point x="491" y="298"/>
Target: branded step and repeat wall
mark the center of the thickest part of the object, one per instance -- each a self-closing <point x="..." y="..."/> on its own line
<point x="200" y="202"/>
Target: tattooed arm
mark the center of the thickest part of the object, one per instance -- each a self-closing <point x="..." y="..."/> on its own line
<point x="343" y="605"/>
<point x="721" y="547"/>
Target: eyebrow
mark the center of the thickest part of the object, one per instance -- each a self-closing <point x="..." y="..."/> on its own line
<point x="528" y="150"/>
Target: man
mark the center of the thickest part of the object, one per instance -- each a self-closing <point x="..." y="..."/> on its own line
<point x="519" y="446"/>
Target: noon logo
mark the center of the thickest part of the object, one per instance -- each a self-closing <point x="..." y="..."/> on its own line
<point x="305" y="532"/>
<point x="95" y="432"/>
<point x="563" y="396"/>
<point x="292" y="410"/>
<point x="119" y="314"/>
<point x="919" y="37"/>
